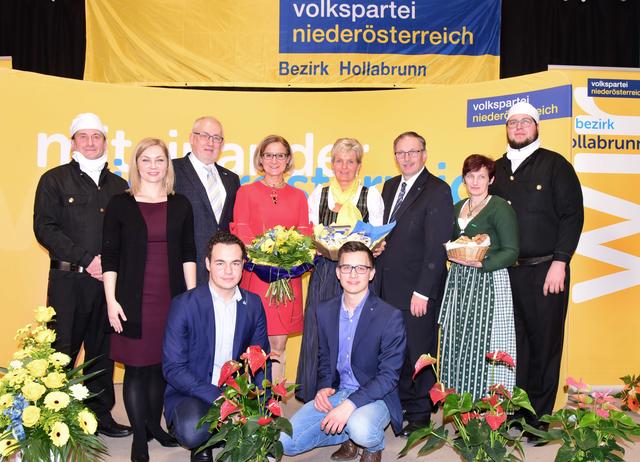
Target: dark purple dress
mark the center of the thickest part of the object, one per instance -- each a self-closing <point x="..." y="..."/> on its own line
<point x="156" y="295"/>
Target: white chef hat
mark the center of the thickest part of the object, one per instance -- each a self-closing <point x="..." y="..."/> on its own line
<point x="87" y="121"/>
<point x="524" y="108"/>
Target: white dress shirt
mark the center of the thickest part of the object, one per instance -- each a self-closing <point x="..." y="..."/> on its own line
<point x="225" y="318"/>
<point x="203" y="172"/>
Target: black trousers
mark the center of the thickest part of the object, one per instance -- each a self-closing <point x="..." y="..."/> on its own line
<point x="81" y="318"/>
<point x="539" y="322"/>
<point x="422" y="337"/>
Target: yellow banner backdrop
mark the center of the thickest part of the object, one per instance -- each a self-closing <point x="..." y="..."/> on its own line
<point x="456" y="121"/>
<point x="292" y="42"/>
<point x="606" y="268"/>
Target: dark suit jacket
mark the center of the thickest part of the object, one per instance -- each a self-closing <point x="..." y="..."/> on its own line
<point x="189" y="344"/>
<point x="376" y="357"/>
<point x="205" y="224"/>
<point x="415" y="258"/>
<point x="124" y="250"/>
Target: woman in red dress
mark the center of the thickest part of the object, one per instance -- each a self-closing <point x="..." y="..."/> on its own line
<point x="259" y="207"/>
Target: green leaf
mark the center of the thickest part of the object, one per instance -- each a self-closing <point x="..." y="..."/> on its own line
<point x="521" y="399"/>
<point x="478" y="432"/>
<point x="432" y="444"/>
<point x="566" y="454"/>
<point x="415" y="437"/>
<point x="588" y="419"/>
<point x="496" y="452"/>
<point x="283" y="425"/>
<point x="585" y="438"/>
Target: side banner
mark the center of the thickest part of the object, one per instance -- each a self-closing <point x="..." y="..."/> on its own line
<point x="606" y="268"/>
<point x="34" y="138"/>
<point x="301" y="42"/>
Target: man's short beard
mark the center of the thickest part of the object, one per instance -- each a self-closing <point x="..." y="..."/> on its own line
<point x="522" y="144"/>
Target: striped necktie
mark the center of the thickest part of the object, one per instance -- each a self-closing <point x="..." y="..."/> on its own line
<point x="213" y="191"/>
<point x="403" y="188"/>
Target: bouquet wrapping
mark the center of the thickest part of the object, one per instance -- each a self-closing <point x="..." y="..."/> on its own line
<point x="329" y="239"/>
<point x="278" y="255"/>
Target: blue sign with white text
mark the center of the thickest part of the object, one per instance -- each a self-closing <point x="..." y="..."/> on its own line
<point x="403" y="27"/>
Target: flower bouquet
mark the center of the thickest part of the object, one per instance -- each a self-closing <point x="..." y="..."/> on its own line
<point x="590" y="429"/>
<point x="630" y="393"/>
<point x="278" y="255"/>
<point x="329" y="239"/>
<point x="42" y="416"/>
<point x="245" y="417"/>
<point x="483" y="431"/>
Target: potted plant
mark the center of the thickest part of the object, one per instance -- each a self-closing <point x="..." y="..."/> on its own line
<point x="42" y="414"/>
<point x="482" y="428"/>
<point x="246" y="417"/>
<point x="590" y="430"/>
<point x="630" y="393"/>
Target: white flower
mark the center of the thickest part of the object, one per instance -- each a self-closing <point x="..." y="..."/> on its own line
<point x="79" y="391"/>
<point x="15" y="364"/>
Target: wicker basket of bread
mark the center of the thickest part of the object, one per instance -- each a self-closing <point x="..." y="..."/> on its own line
<point x="469" y="248"/>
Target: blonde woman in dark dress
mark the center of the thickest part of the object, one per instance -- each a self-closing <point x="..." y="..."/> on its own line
<point x="148" y="257"/>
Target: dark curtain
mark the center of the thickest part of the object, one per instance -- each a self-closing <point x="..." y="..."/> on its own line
<point x="48" y="36"/>
<point x="537" y="33"/>
<point x="45" y="36"/>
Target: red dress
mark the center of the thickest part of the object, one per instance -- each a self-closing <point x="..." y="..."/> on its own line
<point x="254" y="213"/>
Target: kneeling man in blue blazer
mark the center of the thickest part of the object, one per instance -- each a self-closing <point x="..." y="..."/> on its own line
<point x="360" y="355"/>
<point x="207" y="327"/>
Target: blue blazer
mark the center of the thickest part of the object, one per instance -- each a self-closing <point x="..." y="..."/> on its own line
<point x="205" y="224"/>
<point x="376" y="357"/>
<point x="189" y="344"/>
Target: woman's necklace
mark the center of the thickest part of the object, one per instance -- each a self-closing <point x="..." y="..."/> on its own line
<point x="475" y="209"/>
<point x="274" y="189"/>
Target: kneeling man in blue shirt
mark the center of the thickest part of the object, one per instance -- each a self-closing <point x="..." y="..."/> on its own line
<point x="360" y="354"/>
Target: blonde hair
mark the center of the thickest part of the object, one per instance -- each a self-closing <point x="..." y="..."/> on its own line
<point x="257" y="155"/>
<point x="134" y="173"/>
<point x="347" y="145"/>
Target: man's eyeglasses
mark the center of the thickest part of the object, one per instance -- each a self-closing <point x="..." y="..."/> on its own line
<point x="526" y="123"/>
<point x="413" y="153"/>
<point x="359" y="269"/>
<point x="275" y="155"/>
<point x="204" y="137"/>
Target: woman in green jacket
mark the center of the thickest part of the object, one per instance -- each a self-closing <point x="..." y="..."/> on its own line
<point x="477" y="309"/>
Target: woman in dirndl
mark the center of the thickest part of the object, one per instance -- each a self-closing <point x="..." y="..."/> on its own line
<point x="476" y="316"/>
<point x="343" y="202"/>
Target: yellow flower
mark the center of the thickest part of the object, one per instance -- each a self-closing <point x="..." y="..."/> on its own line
<point x="267" y="246"/>
<point x="38" y="367"/>
<point x="30" y="416"/>
<point x="44" y="313"/>
<point x="16" y="377"/>
<point x="59" y="359"/>
<point x="79" y="391"/>
<point x="87" y="421"/>
<point x="32" y="391"/>
<point x="45" y="336"/>
<point x="8" y="446"/>
<point x="54" y="380"/>
<point x="6" y="401"/>
<point x="56" y="400"/>
<point x="59" y="434"/>
<point x="21" y="354"/>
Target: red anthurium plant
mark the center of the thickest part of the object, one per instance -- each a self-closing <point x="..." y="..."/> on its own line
<point x="591" y="427"/>
<point x="482" y="429"/>
<point x="247" y="417"/>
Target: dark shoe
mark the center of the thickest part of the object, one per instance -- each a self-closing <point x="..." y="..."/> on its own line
<point x="139" y="451"/>
<point x="347" y="451"/>
<point x="204" y="456"/>
<point x="412" y="426"/>
<point x="113" y="429"/>
<point x="371" y="456"/>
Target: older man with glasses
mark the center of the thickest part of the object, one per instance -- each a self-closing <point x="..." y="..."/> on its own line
<point x="544" y="190"/>
<point x="411" y="272"/>
<point x="210" y="188"/>
<point x="360" y="354"/>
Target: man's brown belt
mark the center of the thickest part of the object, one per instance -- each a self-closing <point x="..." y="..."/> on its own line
<point x="533" y="260"/>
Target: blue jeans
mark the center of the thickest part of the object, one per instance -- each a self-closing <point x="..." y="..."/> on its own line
<point x="365" y="427"/>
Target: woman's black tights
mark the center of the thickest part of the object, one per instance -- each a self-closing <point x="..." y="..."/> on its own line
<point x="143" y="393"/>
